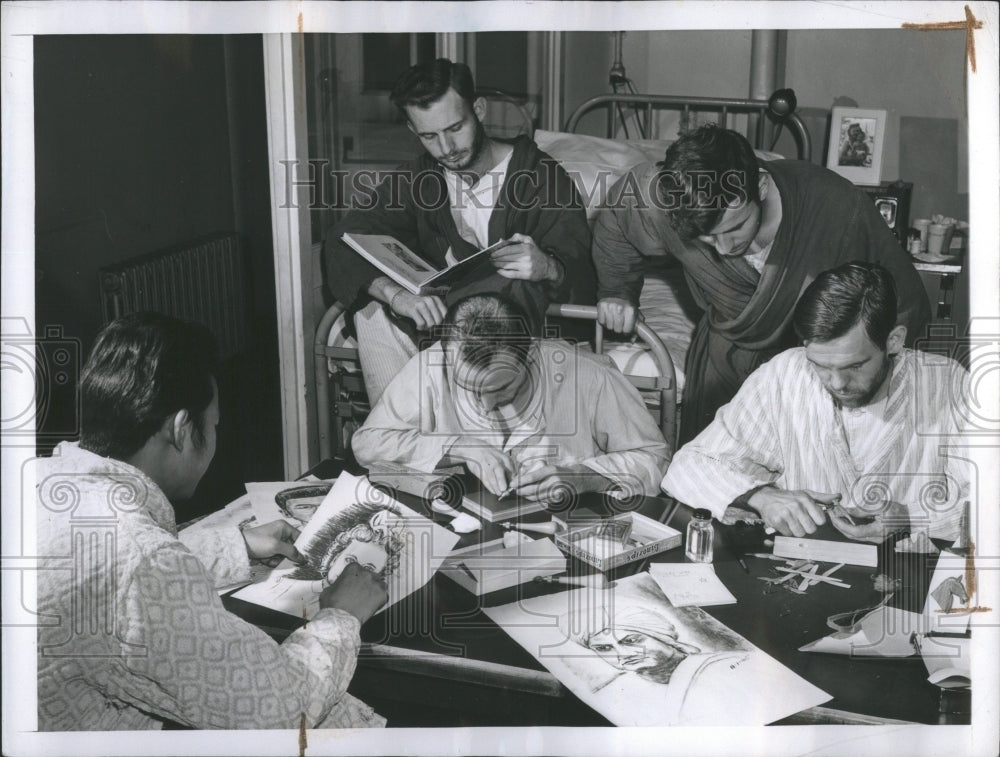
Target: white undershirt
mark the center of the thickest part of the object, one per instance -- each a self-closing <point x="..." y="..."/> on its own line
<point x="757" y="257"/>
<point x="472" y="204"/>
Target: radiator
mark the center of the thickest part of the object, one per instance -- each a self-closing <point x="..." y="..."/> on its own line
<point x="205" y="280"/>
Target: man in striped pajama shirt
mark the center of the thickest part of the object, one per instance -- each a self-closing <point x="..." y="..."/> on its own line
<point x="850" y="424"/>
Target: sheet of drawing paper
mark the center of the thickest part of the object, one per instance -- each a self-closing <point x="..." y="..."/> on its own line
<point x="356" y="522"/>
<point x="951" y="598"/>
<point x="237" y="514"/>
<point x="687" y="584"/>
<point x="640" y="661"/>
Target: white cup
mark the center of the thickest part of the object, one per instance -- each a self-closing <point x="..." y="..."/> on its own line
<point x="922" y="225"/>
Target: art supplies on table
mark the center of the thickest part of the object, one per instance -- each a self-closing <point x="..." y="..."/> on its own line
<point x="495" y="565"/>
<point x="355" y="523"/>
<point x="607" y="543"/>
<point x="429" y="486"/>
<point x="488" y="506"/>
<point x="821" y="550"/>
<point x="639" y="661"/>
<point x="691" y="584"/>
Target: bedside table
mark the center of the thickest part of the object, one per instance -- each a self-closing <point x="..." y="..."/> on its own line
<point x="947" y="285"/>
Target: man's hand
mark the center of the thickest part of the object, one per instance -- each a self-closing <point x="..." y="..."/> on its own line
<point x="270" y="539"/>
<point x="617" y="314"/>
<point x="489" y="464"/>
<point x="892" y="518"/>
<point x="525" y="260"/>
<point x="357" y="590"/>
<point x="539" y="484"/>
<point x="791" y="513"/>
<point x="426" y="312"/>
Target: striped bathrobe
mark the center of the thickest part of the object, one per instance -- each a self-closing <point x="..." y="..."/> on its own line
<point x="784" y="428"/>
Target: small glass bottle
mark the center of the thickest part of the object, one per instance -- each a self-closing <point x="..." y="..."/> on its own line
<point x="698" y="545"/>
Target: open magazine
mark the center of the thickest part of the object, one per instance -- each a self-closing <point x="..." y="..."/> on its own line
<point x="409" y="270"/>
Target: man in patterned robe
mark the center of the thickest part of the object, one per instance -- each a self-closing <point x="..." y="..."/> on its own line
<point x="140" y="636"/>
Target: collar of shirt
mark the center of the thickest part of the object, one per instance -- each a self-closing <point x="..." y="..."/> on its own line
<point x="472" y="203"/>
<point x="757" y="257"/>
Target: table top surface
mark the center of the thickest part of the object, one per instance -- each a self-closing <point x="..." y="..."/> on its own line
<point x="443" y="618"/>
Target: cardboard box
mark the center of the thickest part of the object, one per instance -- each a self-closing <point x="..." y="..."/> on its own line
<point x="587" y="538"/>
<point x="490" y="566"/>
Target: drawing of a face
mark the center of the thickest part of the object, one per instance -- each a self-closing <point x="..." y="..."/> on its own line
<point x="366" y="554"/>
<point x="636" y="652"/>
<point x="301" y="502"/>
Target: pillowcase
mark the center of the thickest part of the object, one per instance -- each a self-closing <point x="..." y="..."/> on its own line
<point x="595" y="163"/>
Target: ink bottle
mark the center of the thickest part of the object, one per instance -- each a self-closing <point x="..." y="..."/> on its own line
<point x="698" y="545"/>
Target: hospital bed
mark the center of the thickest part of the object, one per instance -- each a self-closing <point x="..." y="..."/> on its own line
<point x="654" y="361"/>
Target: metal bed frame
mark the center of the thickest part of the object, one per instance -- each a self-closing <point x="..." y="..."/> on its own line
<point x="779" y="108"/>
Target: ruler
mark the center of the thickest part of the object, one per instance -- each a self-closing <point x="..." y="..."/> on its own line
<point x="821" y="550"/>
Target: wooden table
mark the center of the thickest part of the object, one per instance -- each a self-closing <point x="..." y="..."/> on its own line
<point x="435" y="659"/>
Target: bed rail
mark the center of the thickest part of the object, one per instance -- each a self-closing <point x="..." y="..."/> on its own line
<point x="779" y="107"/>
<point x="665" y="383"/>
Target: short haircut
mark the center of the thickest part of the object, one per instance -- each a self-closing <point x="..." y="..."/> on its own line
<point x="484" y="325"/>
<point x="702" y="173"/>
<point x="144" y="367"/>
<point x="426" y="83"/>
<point x="841" y="297"/>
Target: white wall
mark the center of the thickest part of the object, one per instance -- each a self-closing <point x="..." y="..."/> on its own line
<point x="907" y="72"/>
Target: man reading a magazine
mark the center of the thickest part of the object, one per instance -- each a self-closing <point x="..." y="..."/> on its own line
<point x="466" y="192"/>
<point x="533" y="416"/>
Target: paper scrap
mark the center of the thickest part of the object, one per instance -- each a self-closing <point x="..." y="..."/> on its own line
<point x="821" y="550"/>
<point x="687" y="584"/>
<point x="464" y="523"/>
<point x="884" y="632"/>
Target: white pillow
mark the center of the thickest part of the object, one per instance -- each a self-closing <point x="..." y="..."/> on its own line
<point x="595" y="163"/>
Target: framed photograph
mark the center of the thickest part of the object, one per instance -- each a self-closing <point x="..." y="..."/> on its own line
<point x="857" y="136"/>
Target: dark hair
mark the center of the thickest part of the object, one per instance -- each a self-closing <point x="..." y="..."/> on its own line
<point x="702" y="173"/>
<point x="426" y="83"/>
<point x="144" y="367"/>
<point x="842" y="296"/>
<point x="486" y="324"/>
